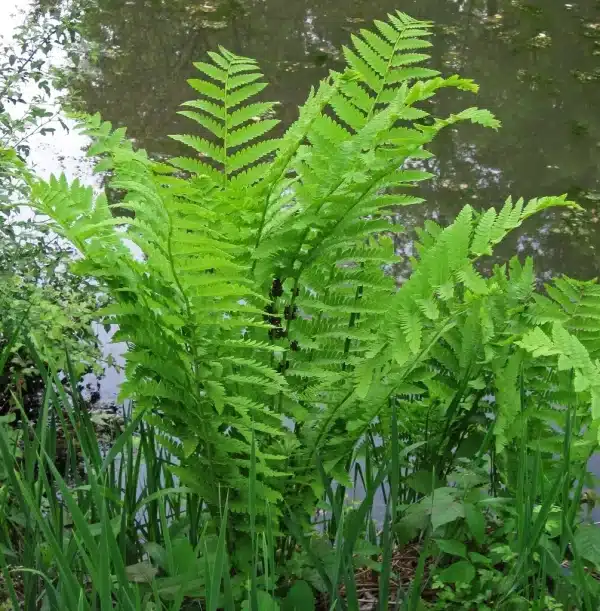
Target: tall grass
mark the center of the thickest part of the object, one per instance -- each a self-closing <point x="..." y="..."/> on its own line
<point x="90" y="528"/>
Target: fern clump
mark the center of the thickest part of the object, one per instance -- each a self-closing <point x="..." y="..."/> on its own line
<point x="264" y="333"/>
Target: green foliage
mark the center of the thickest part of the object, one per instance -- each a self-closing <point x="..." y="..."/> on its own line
<point x="268" y="340"/>
<point x="145" y="541"/>
<point x="27" y="78"/>
<point x="40" y="293"/>
<point x="262" y="290"/>
<point x="37" y="290"/>
<point x="229" y="119"/>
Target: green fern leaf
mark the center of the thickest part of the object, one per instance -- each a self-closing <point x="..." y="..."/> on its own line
<point x="252" y="154"/>
<point x="537" y="343"/>
<point x="216" y="73"/>
<point x="388" y="32"/>
<point x="377" y="43"/>
<point x="411" y="325"/>
<point x="407" y="59"/>
<point x="370" y="56"/>
<point x="211" y="125"/>
<point x="207" y="89"/>
<point x="504" y="222"/>
<point x="348" y="112"/>
<point x="236" y="80"/>
<point x="429" y="308"/>
<point x="508" y="399"/>
<point x="250" y="176"/>
<point x="472" y="280"/>
<point x="481" y="244"/>
<point x="218" y="112"/>
<point x="537" y="205"/>
<point x="250" y="132"/>
<point x="481" y="116"/>
<point x="402" y="75"/>
<point x="368" y="75"/>
<point x="248" y="113"/>
<point x="244" y="93"/>
<point x="202" y="146"/>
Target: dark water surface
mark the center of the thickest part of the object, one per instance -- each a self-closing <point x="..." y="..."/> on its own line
<point x="538" y="64"/>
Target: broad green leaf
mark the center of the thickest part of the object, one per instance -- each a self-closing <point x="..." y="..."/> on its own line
<point x="142" y="572"/>
<point x="475" y="519"/>
<point x="587" y="541"/>
<point x="459" y="572"/>
<point x="445" y="511"/>
<point x="424" y="482"/>
<point x="265" y="602"/>
<point x="476" y="558"/>
<point x="452" y="547"/>
<point x="299" y="598"/>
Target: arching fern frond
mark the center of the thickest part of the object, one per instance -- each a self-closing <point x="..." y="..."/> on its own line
<point x="382" y="63"/>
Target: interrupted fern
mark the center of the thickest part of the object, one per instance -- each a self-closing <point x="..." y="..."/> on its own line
<point x="258" y="314"/>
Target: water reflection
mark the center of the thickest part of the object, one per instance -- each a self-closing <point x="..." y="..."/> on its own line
<point x="536" y="62"/>
<point x="63" y="151"/>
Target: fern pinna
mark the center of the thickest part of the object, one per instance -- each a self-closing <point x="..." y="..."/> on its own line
<point x="256" y="304"/>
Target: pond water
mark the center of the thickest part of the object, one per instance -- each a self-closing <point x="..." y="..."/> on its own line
<point x="538" y="64"/>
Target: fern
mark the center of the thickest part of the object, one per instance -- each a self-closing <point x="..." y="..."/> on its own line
<point x="225" y="113"/>
<point x="258" y="295"/>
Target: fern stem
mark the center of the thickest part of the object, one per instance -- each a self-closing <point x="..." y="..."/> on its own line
<point x="297" y="254"/>
<point x="292" y="150"/>
<point x="384" y="80"/>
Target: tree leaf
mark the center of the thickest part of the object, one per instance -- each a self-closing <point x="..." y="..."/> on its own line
<point x="444" y="512"/>
<point x="142" y="572"/>
<point x="587" y="542"/>
<point x="443" y="507"/>
<point x="265" y="602"/>
<point x="476" y="558"/>
<point x="476" y="522"/>
<point x="424" y="481"/>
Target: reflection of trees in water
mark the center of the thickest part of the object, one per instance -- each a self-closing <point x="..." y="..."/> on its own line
<point x="523" y="54"/>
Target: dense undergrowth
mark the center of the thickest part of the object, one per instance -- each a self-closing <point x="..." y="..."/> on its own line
<point x="36" y="283"/>
<point x="299" y="419"/>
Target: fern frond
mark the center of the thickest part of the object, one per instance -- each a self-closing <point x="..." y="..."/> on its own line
<point x="251" y="154"/>
<point x="508" y="397"/>
<point x="481" y="244"/>
<point x="234" y="82"/>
